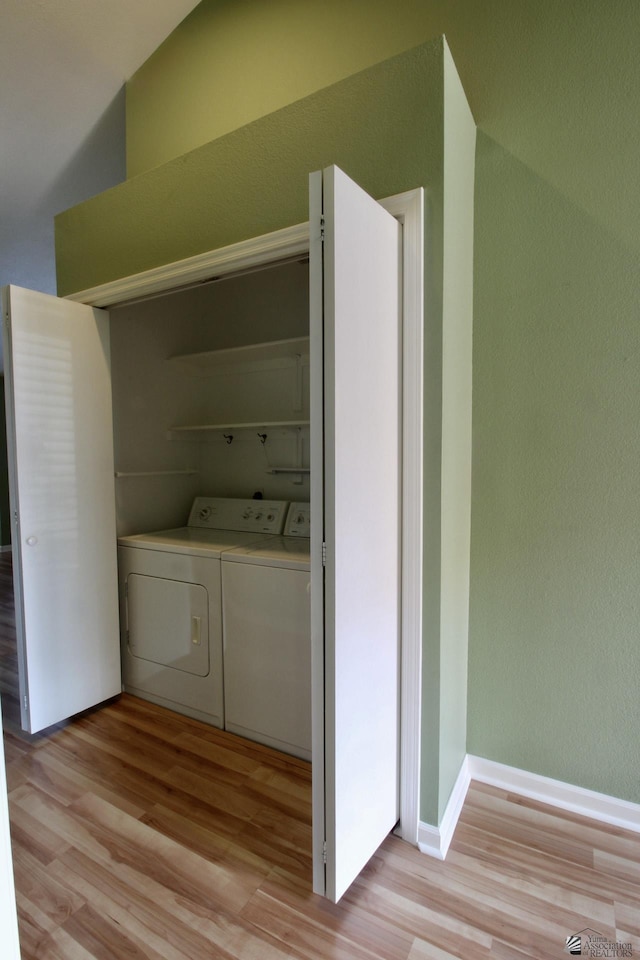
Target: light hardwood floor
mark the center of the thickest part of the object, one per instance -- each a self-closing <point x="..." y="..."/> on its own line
<point x="138" y="833"/>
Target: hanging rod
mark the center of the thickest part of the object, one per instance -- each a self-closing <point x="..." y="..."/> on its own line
<point x="289" y="470"/>
<point x="119" y="474"/>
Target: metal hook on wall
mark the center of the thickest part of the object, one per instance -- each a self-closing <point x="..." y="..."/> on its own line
<point x="263" y="438"/>
<point x="228" y="437"/>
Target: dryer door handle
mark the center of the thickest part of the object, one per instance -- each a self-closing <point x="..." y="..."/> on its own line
<point x="196" y="630"/>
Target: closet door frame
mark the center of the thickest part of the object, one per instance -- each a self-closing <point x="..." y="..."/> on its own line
<point x="292" y="243"/>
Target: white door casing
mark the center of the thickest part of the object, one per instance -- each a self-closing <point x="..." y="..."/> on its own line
<point x="294" y="242"/>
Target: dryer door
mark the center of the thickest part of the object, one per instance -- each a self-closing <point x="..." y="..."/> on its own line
<point x="168" y="623"/>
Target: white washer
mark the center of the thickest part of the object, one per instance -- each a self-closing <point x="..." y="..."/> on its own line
<point x="171" y="602"/>
<point x="267" y="638"/>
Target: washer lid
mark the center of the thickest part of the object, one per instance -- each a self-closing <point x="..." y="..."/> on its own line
<point x="291" y="553"/>
<point x="192" y="540"/>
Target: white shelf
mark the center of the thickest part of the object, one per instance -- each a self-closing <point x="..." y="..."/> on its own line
<point x="259" y="424"/>
<point x="256" y="356"/>
<point x="120" y="474"/>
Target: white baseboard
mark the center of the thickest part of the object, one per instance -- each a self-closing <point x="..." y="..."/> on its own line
<point x="586" y="803"/>
<point x="435" y="841"/>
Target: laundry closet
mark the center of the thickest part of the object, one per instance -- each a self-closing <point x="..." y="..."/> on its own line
<point x="170" y="407"/>
<point x="211" y="400"/>
<point x="395" y="126"/>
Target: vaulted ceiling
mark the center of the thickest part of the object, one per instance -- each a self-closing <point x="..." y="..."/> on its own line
<point x="63" y="64"/>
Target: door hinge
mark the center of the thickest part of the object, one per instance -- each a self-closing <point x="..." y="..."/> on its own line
<point x="25" y="702"/>
<point x="322" y="229"/>
<point x="324" y="554"/>
<point x="324" y="852"/>
<point x="126" y="610"/>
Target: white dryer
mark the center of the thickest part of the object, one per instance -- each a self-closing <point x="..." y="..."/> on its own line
<point x="267" y="638"/>
<point x="171" y="602"/>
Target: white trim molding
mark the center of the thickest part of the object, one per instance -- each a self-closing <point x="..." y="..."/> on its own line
<point x="408" y="208"/>
<point x="566" y="796"/>
<point x="237" y="257"/>
<point x="435" y="841"/>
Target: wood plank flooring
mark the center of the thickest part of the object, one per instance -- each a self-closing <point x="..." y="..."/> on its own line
<point x="141" y="834"/>
<point x="138" y="833"/>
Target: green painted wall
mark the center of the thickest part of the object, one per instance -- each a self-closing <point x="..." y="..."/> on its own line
<point x="233" y="61"/>
<point x="554" y="87"/>
<point x="255" y="179"/>
<point x="554" y="656"/>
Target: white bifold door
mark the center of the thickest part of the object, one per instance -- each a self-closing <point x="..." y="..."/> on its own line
<point x="61" y="480"/>
<point x="355" y="496"/>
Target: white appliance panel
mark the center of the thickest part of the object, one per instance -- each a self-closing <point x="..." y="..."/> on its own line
<point x="267" y="655"/>
<point x="228" y="513"/>
<point x="298" y="522"/>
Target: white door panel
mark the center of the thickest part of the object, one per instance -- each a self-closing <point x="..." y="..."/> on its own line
<point x="60" y="435"/>
<point x="359" y="441"/>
